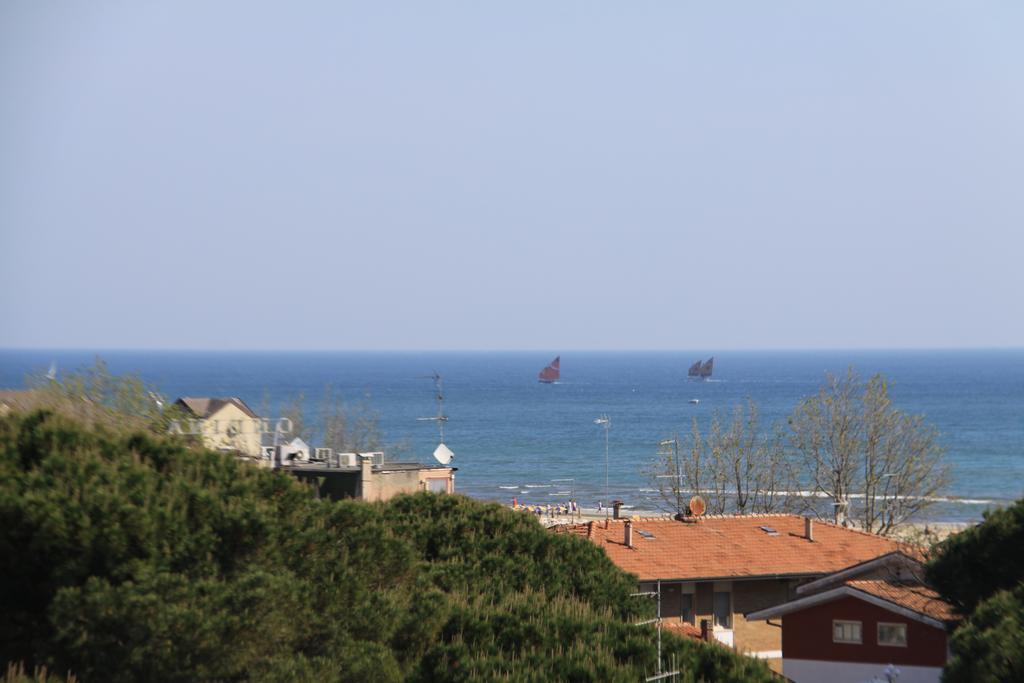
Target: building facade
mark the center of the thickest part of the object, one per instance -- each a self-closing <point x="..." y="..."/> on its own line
<point x="874" y="621"/>
<point x="719" y="569"/>
<point x="369" y="477"/>
<point x="224" y="424"/>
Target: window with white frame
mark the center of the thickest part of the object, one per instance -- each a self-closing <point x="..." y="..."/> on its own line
<point x="893" y="635"/>
<point x="722" y="606"/>
<point x="846" y="632"/>
<point x="437" y="485"/>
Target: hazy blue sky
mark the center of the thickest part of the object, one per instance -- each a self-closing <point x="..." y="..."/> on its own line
<point x="546" y="175"/>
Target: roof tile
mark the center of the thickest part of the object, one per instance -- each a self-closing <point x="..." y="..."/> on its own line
<point x="733" y="547"/>
<point x="204" y="407"/>
<point x="918" y="598"/>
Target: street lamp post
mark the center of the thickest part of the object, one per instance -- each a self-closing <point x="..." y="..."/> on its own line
<point x="886" y="506"/>
<point x="606" y="422"/>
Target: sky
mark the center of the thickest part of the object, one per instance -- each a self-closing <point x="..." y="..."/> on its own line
<point x="528" y="175"/>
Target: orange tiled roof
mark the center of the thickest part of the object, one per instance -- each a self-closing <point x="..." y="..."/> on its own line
<point x="682" y="628"/>
<point x="733" y="547"/>
<point x="917" y="598"/>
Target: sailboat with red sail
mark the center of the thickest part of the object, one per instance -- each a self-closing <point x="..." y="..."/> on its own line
<point x="702" y="370"/>
<point x="552" y="372"/>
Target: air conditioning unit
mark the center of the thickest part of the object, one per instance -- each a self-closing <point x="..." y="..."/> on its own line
<point x="347" y="460"/>
<point x="322" y="454"/>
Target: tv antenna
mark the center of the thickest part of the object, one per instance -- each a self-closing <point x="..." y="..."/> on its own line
<point x="605" y="423"/>
<point x="442" y="453"/>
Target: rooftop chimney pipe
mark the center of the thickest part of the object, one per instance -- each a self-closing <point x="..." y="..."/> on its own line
<point x="616" y="507"/>
<point x="628" y="540"/>
<point x="809" y="528"/>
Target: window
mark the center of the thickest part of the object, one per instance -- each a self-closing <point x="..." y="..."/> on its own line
<point x="686" y="608"/>
<point x="893" y="635"/>
<point x="723" y="609"/>
<point x="846" y="632"/>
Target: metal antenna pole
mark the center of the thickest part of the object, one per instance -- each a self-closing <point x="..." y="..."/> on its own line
<point x="659" y="627"/>
<point x="606" y="422"/>
<point x="440" y="418"/>
<point x="659" y="674"/>
<point x="439" y="387"/>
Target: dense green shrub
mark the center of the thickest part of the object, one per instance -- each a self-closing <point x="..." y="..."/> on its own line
<point x="133" y="557"/>
<point x="981" y="572"/>
<point x="974" y="564"/>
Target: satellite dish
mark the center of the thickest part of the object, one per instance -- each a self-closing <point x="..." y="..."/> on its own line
<point x="443" y="454"/>
<point x="697" y="506"/>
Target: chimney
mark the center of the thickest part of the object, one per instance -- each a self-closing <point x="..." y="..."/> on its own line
<point x="616" y="506"/>
<point x="705" y="633"/>
<point x="629" y="534"/>
<point x="840" y="512"/>
<point x="366" y="491"/>
<point x="809" y="528"/>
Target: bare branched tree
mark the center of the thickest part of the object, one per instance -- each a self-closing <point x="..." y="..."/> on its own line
<point x="349" y="427"/>
<point x="295" y="412"/>
<point x="874" y="464"/>
<point x="337" y="425"/>
<point x="735" y="468"/>
<point x="96" y="396"/>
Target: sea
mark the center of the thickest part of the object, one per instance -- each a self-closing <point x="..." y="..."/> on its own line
<point x="514" y="437"/>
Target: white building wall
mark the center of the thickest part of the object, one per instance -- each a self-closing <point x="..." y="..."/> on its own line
<point x="815" y="671"/>
<point x="231" y="429"/>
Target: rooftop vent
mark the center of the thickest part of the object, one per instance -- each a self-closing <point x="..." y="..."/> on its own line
<point x="769" y="530"/>
<point x="645" y="534"/>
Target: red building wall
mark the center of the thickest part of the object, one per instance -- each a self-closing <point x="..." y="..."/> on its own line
<point x="807" y="634"/>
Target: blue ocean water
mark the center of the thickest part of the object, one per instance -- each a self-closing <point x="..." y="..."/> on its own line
<point x="513" y="436"/>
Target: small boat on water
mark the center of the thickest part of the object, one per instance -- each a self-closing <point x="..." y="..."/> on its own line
<point x="552" y="372"/>
<point x="694" y="401"/>
<point x="702" y="370"/>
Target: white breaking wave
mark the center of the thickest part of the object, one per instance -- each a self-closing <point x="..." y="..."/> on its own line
<point x="861" y="496"/>
<point x="538" y="486"/>
<point x="965" y="501"/>
<point x="508" y="487"/>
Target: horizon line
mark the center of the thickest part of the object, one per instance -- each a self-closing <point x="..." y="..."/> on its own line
<point x="704" y="350"/>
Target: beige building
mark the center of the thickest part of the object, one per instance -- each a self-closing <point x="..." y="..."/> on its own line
<point x="225" y="424"/>
<point x="717" y="569"/>
<point x="368" y="477"/>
